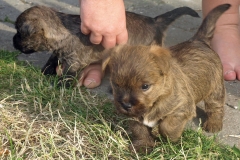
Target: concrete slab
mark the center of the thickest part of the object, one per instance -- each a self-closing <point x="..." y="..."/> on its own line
<point x="179" y="31"/>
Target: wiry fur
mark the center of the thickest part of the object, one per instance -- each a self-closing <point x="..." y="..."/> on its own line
<point x="43" y="29"/>
<point x="161" y="87"/>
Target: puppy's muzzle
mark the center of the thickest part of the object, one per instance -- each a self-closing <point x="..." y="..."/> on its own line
<point x="126" y="105"/>
<point x="18" y="45"/>
<point x="16" y="42"/>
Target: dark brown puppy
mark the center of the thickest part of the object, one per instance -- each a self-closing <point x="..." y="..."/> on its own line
<point x="161" y="87"/>
<point x="43" y="29"/>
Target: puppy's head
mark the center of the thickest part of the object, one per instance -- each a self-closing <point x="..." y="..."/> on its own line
<point x="138" y="77"/>
<point x="37" y="28"/>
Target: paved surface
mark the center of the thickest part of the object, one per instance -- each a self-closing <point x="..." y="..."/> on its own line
<point x="181" y="30"/>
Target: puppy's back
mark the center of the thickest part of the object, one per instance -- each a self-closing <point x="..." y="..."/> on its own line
<point x="196" y="58"/>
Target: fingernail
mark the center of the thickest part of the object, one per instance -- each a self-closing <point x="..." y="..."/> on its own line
<point x="227" y="72"/>
<point x="88" y="82"/>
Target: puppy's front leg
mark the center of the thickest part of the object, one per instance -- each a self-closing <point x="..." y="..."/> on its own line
<point x="50" y="67"/>
<point x="173" y="125"/>
<point x="142" y="137"/>
<point x="69" y="75"/>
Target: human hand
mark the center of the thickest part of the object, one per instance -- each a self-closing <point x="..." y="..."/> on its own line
<point x="105" y="21"/>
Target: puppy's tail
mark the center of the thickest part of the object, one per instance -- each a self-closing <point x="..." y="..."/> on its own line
<point x="206" y="30"/>
<point x="167" y="18"/>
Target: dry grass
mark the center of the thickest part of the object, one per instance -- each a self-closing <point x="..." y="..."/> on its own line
<point x="33" y="129"/>
<point x="48" y="135"/>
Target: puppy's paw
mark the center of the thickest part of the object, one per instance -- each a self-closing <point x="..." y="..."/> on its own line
<point x="66" y="82"/>
<point x="212" y="126"/>
<point x="142" y="146"/>
<point x="49" y="70"/>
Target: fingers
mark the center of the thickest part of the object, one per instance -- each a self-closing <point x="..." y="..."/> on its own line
<point x="84" y="30"/>
<point x="110" y="42"/>
<point x="95" y="38"/>
<point x="122" y="38"/>
<point x="106" y="41"/>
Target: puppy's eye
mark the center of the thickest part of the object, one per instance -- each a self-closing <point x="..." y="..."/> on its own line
<point x="145" y="87"/>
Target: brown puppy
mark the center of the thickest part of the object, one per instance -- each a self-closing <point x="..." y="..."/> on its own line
<point x="161" y="87"/>
<point x="43" y="29"/>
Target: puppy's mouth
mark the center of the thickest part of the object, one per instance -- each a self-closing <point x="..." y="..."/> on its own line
<point x="29" y="51"/>
<point x="129" y="109"/>
<point x="126" y="106"/>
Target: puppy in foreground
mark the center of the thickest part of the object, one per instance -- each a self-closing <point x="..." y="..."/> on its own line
<point x="161" y="87"/>
<point x="43" y="29"/>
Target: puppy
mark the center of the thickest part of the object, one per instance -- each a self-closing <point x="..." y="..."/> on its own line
<point x="161" y="87"/>
<point x="43" y="29"/>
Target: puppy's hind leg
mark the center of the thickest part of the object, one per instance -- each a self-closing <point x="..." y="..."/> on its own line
<point x="214" y="108"/>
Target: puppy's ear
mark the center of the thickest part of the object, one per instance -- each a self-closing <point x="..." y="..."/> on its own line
<point x="106" y="58"/>
<point x="105" y="62"/>
<point x="58" y="34"/>
<point x="162" y="57"/>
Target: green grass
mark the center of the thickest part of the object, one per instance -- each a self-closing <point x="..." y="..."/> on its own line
<point x="39" y="120"/>
<point x="6" y="19"/>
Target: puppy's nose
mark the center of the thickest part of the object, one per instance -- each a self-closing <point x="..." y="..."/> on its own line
<point x="126" y="105"/>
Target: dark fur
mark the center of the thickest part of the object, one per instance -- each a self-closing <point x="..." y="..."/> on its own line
<point x="43" y="29"/>
<point x="161" y="87"/>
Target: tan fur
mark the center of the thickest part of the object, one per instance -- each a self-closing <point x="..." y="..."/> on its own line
<point x="161" y="87"/>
